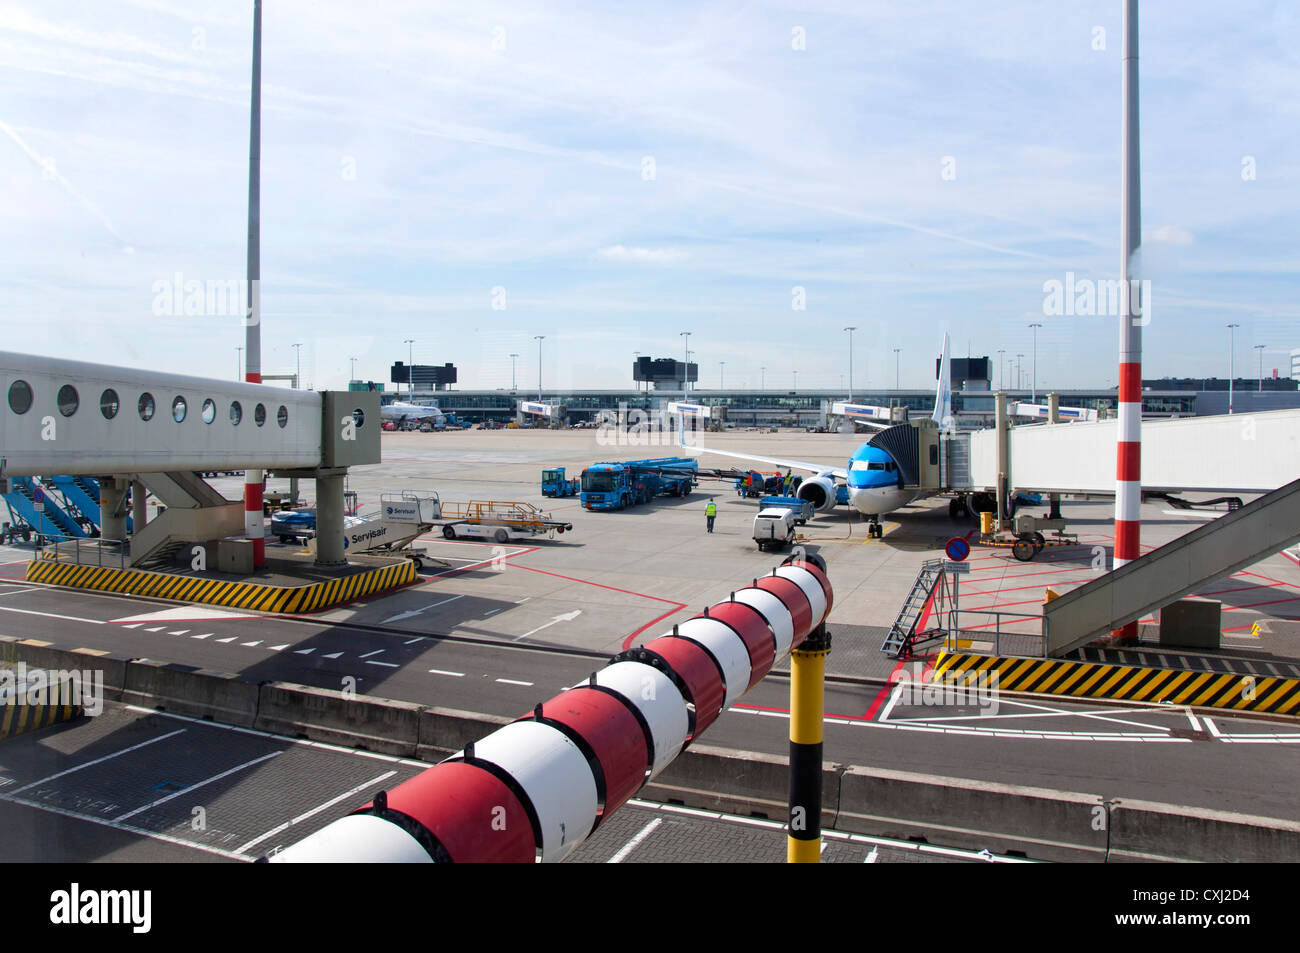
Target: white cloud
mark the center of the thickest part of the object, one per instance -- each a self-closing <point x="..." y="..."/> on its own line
<point x="655" y="256"/>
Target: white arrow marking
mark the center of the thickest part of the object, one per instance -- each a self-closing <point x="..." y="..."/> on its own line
<point x="415" y="612"/>
<point x="133" y="625"/>
<point x="156" y="628"/>
<point x="250" y="644"/>
<point x="567" y="617"/>
<point x="203" y="636"/>
<point x="303" y="651"/>
<point x="178" y="632"/>
<point x="276" y="648"/>
<point x="335" y="655"/>
<point x="231" y="639"/>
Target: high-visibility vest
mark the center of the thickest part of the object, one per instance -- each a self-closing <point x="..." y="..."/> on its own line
<point x="711" y="509"/>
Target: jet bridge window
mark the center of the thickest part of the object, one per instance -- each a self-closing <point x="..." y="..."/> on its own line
<point x="178" y="409"/>
<point x="108" y="403"/>
<point x="20" y="397"/>
<point x="209" y="410"/>
<point x="259" y="414"/>
<point x="236" y="413"/>
<point x="282" y="416"/>
<point x="69" y="401"/>
<point x="146" y="406"/>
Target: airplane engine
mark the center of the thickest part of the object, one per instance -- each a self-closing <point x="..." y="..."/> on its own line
<point x="819" y="491"/>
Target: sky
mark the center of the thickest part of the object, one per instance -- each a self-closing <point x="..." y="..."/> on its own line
<point x="473" y="175"/>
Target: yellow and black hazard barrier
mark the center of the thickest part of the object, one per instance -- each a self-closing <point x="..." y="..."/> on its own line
<point x="18" y="715"/>
<point x="238" y="595"/>
<point x="1235" y="691"/>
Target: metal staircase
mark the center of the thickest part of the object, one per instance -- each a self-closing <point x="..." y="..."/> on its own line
<point x="903" y="638"/>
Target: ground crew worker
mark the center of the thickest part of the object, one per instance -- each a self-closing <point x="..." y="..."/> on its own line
<point x="710" y="512"/>
<point x="785" y="484"/>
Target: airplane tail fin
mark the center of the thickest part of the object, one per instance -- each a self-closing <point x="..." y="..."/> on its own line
<point x="943" y="394"/>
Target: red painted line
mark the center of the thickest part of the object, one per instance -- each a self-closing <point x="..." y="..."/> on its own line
<point x="1278" y="582"/>
<point x="870" y="713"/>
<point x="627" y="642"/>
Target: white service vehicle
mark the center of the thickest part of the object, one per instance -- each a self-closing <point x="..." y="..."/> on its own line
<point x="401" y="519"/>
<point x="774" y="528"/>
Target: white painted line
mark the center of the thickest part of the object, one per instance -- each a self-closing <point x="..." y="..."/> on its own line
<point x="195" y="787"/>
<point x="871" y="857"/>
<point x="415" y="612"/>
<point x="231" y="639"/>
<point x="438" y="671"/>
<point x="133" y="625"/>
<point x="157" y="628"/>
<point x="385" y="664"/>
<point x="893" y="699"/>
<point x="564" y="617"/>
<point x="303" y="651"/>
<point x="203" y="636"/>
<point x="333" y="655"/>
<point x="756" y="822"/>
<point x="51" y="615"/>
<point x="1212" y="727"/>
<point x="1196" y="725"/>
<point x="178" y="632"/>
<point x="14" y="592"/>
<point x="276" y="648"/>
<point x="413" y="641"/>
<point x="107" y="757"/>
<point x="315" y="810"/>
<point x="635" y="841"/>
<point x="490" y="612"/>
<point x="511" y="681"/>
<point x="251" y="644"/>
<point x="138" y="831"/>
<point x="368" y="654"/>
<point x="523" y="600"/>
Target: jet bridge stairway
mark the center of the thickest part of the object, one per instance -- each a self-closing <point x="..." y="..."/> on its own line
<point x="1239" y="538"/>
<point x="903" y="638"/>
<point x="81" y="493"/>
<point x="53" y="522"/>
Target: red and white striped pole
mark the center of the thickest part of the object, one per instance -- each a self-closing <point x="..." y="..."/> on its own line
<point x="1128" y="475"/>
<point x="254" y="522"/>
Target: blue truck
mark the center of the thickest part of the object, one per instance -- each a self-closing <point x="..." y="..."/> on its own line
<point x="616" y="486"/>
<point x="554" y="483"/>
<point x="802" y="509"/>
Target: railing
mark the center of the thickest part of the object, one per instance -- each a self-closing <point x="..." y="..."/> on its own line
<point x="1016" y="642"/>
<point x="80" y="551"/>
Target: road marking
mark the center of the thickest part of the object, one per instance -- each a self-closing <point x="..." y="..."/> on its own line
<point x="413" y="641"/>
<point x="871" y="857"/>
<point x="438" y="671"/>
<point x="511" y="681"/>
<point x="276" y="648"/>
<point x="178" y="632"/>
<point x="385" y="664"/>
<point x="158" y="628"/>
<point x="566" y="617"/>
<point x="489" y="612"/>
<point x="893" y="698"/>
<point x="106" y="757"/>
<point x="415" y="612"/>
<point x="14" y="592"/>
<point x="133" y="625"/>
<point x="315" y="810"/>
<point x="127" y="828"/>
<point x="203" y="636"/>
<point x="375" y="652"/>
<point x="1212" y="727"/>
<point x="251" y="644"/>
<point x="51" y="615"/>
<point x="303" y="651"/>
<point x="635" y="841"/>
<point x="195" y="787"/>
<point x="1196" y="725"/>
<point x="230" y="639"/>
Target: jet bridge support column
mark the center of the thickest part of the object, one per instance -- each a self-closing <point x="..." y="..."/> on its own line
<point x="1003" y="450"/>
<point x="1054" y="417"/>
<point x="139" y="506"/>
<point x="112" y="509"/>
<point x="330" y="531"/>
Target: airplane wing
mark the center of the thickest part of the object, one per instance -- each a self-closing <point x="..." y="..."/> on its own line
<point x="817" y="468"/>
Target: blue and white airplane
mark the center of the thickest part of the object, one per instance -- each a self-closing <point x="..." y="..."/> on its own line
<point x="873" y="478"/>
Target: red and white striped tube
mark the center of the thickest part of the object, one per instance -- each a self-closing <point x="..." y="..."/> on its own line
<point x="537" y="787"/>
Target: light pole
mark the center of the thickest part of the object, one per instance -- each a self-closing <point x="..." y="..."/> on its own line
<point x="796" y="380"/>
<point x="1260" y="348"/>
<point x="1231" y="366"/>
<point x="1033" y="399"/>
<point x="851" y="330"/>
<point x="722" y="375"/>
<point x="1020" y="369"/>
<point x="239" y="364"/>
<point x="686" y="371"/>
<point x="514" y="359"/>
<point x="410" y="368"/>
<point x="1002" y="377"/>
<point x="539" y="338"/>
<point x="297" y="374"/>
<point x="353" y="375"/>
<point x="896" y="372"/>
<point x="762" y="381"/>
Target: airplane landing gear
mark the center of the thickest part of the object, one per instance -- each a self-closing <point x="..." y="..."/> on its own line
<point x="875" y="530"/>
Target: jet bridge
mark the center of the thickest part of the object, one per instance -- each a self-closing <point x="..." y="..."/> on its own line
<point x="162" y="430"/>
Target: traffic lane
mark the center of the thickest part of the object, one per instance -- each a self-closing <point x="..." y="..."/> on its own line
<point x="134" y="775"/>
